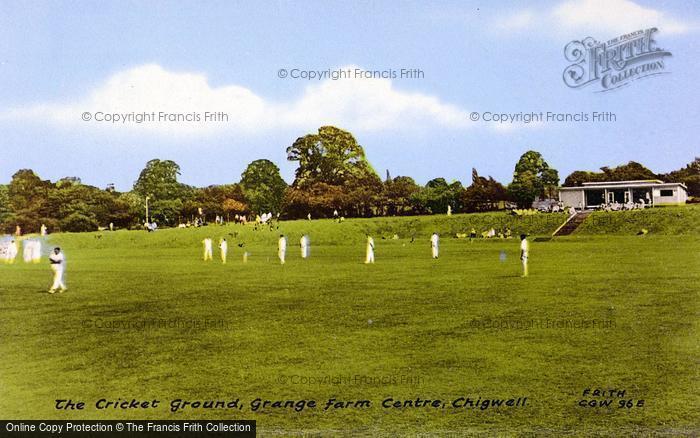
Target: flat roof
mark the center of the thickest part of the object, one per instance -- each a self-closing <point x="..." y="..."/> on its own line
<point x="622" y="183"/>
<point x="626" y="185"/>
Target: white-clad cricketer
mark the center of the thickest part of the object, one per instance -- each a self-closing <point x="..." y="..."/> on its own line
<point x="12" y="251"/>
<point x="524" y="252"/>
<point x="305" y="244"/>
<point x="58" y="266"/>
<point x="435" y="244"/>
<point x="223" y="247"/>
<point x="208" y="252"/>
<point x="282" y="248"/>
<point x="369" y="257"/>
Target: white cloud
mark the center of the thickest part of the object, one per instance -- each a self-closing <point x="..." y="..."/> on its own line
<point x="612" y="16"/>
<point x="597" y="18"/>
<point x="517" y="21"/>
<point x="356" y="104"/>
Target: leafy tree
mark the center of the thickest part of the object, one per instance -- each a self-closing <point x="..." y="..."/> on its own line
<point x="532" y="178"/>
<point x="333" y="173"/>
<point x="167" y="196"/>
<point x="625" y="172"/>
<point x="484" y="194"/>
<point x="437" y="195"/>
<point x="263" y="186"/>
<point x="689" y="175"/>
<point x="398" y="193"/>
<point x="5" y="209"/>
<point x="28" y="195"/>
<point x="332" y="156"/>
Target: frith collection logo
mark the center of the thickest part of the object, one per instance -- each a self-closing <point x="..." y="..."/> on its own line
<point x="615" y="63"/>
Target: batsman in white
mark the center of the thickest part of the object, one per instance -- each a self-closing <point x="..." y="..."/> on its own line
<point x="208" y="252"/>
<point x="223" y="246"/>
<point x="305" y="244"/>
<point x="524" y="252"/>
<point x="282" y="248"/>
<point x="435" y="244"/>
<point x="369" y="256"/>
<point x="58" y="266"/>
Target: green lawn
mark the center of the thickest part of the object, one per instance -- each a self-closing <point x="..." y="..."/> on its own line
<point x="406" y="327"/>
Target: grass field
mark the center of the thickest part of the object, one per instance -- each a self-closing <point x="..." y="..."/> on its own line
<point x="331" y="327"/>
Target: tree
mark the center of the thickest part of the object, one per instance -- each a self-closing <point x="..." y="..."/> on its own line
<point x="484" y="194"/>
<point x="333" y="173"/>
<point x="398" y="193"/>
<point x="5" y="209"/>
<point x="27" y="195"/>
<point x="263" y="186"/>
<point x="332" y="156"/>
<point x="689" y="175"/>
<point x="158" y="182"/>
<point x="625" y="172"/>
<point x="532" y="178"/>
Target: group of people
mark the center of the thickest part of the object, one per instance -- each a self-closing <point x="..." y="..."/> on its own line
<point x="31" y="253"/>
<point x="305" y="247"/>
<point x="629" y="205"/>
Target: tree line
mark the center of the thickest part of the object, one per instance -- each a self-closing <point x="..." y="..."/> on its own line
<point x="333" y="174"/>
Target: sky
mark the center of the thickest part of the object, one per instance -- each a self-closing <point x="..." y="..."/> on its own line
<point x="62" y="60"/>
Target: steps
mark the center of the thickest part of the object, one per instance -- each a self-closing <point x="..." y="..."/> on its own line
<point x="571" y="225"/>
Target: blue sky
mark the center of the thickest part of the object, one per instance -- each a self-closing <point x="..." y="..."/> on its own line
<point x="60" y="59"/>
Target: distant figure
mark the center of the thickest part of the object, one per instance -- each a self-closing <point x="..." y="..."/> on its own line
<point x="282" y="248"/>
<point x="472" y="235"/>
<point x="305" y="244"/>
<point x="449" y="210"/>
<point x="524" y="251"/>
<point x="18" y="231"/>
<point x="28" y="250"/>
<point x="335" y="214"/>
<point x="58" y="264"/>
<point x="43" y="230"/>
<point x="223" y="246"/>
<point x="36" y="252"/>
<point x="435" y="244"/>
<point x="308" y="216"/>
<point x="208" y="253"/>
<point x="111" y="226"/>
<point x="12" y="251"/>
<point x="369" y="258"/>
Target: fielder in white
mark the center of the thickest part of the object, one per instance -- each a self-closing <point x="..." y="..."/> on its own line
<point x="305" y="244"/>
<point x="11" y="251"/>
<point x="524" y="250"/>
<point x="31" y="251"/>
<point x="208" y="253"/>
<point x="435" y="244"/>
<point x="369" y="257"/>
<point x="282" y="248"/>
<point x="58" y="265"/>
<point x="223" y="246"/>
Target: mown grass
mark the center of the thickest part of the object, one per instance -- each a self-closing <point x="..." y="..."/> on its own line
<point x="408" y="326"/>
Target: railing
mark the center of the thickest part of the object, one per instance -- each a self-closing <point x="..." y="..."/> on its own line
<point x="565" y="222"/>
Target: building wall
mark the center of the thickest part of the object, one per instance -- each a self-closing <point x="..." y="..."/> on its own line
<point x="679" y="196"/>
<point x="571" y="198"/>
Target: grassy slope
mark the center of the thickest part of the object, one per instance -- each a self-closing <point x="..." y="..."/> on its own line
<point x="312" y="318"/>
<point x="665" y="220"/>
